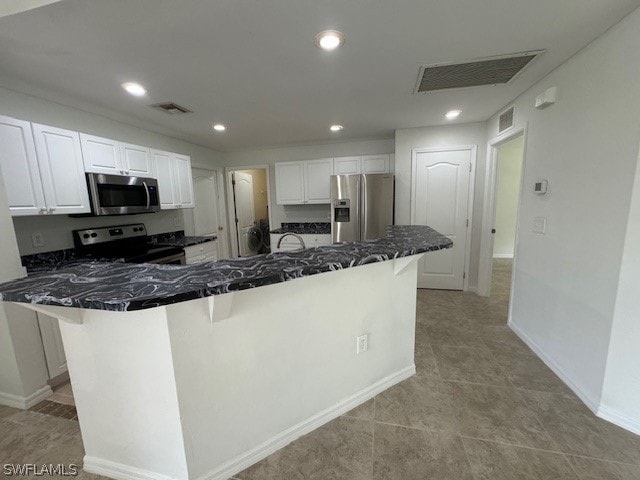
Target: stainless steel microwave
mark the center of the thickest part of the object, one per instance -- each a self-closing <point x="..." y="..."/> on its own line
<point x="122" y="195"/>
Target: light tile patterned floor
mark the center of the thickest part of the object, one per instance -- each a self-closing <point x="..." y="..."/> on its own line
<point x="481" y="407"/>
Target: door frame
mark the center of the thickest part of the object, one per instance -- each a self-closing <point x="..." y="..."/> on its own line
<point x="223" y="238"/>
<point x="471" y="188"/>
<point x="485" y="271"/>
<point x="233" y="234"/>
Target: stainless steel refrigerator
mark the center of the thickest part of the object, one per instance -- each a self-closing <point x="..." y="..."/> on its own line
<point x="361" y="206"/>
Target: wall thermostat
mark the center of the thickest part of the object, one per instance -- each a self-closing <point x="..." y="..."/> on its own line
<point x="540" y="187"/>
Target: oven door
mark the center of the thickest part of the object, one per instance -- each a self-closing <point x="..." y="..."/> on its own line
<point x="116" y="195"/>
<point x="177" y="259"/>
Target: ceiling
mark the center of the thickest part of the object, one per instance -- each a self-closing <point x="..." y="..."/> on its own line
<point x="253" y="65"/>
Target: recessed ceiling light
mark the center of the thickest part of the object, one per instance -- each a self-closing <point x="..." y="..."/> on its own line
<point x="218" y="127"/>
<point x="452" y="114"/>
<point x="329" y="39"/>
<point x="134" y="89"/>
<point x="336" y="128"/>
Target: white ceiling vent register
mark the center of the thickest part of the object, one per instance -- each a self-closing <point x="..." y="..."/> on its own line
<point x="171" y="108"/>
<point x="505" y="120"/>
<point x="473" y="73"/>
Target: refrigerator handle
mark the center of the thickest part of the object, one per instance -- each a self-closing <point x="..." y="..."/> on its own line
<point x="362" y="184"/>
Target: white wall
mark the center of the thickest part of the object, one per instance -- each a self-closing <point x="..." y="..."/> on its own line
<point x="621" y="393"/>
<point x="434" y="137"/>
<point x="303" y="213"/>
<point x="57" y="229"/>
<point x="586" y="145"/>
<point x="507" y="194"/>
<point x="23" y="371"/>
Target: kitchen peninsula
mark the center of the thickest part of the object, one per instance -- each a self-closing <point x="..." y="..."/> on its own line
<point x="191" y="371"/>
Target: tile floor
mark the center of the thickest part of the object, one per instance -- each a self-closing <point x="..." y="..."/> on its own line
<point x="482" y="406"/>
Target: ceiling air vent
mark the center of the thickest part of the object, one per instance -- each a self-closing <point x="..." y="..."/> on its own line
<point x="171" y="108"/>
<point x="473" y="73"/>
<point x="505" y="120"/>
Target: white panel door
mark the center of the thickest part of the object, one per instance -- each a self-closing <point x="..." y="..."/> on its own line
<point x="52" y="342"/>
<point x="62" y="170"/>
<point x="347" y="165"/>
<point x="100" y="155"/>
<point x="136" y="160"/>
<point x="184" y="181"/>
<point x="290" y="183"/>
<point x="19" y="167"/>
<point x="375" y="164"/>
<point x="165" y="174"/>
<point x="318" y="180"/>
<point x="245" y="211"/>
<point x="440" y="201"/>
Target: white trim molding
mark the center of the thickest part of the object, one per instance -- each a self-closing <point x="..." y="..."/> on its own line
<point x="503" y="255"/>
<point x="617" y="418"/>
<point x="119" y="471"/>
<point x="24" y="403"/>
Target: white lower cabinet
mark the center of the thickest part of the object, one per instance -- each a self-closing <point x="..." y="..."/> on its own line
<point x="175" y="181"/>
<point x="292" y="243"/>
<point x="52" y="342"/>
<point x="203" y="252"/>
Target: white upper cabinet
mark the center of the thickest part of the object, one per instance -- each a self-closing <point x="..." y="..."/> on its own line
<point x="103" y="155"/>
<point x="290" y="183"/>
<point x="136" y="160"/>
<point x="100" y="155"/>
<point x="19" y="167"/>
<point x="184" y="181"/>
<point x="175" y="181"/>
<point x="317" y="180"/>
<point x="61" y="169"/>
<point x="347" y="165"/>
<point x="375" y="164"/>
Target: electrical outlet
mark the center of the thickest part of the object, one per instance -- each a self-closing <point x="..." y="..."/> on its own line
<point x="362" y="343"/>
<point x="176" y="222"/>
<point x="37" y="239"/>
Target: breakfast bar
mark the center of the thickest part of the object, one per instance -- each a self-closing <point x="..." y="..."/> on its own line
<point x="199" y="371"/>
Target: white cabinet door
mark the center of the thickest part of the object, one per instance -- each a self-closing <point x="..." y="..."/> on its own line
<point x="290" y="183"/>
<point x="19" y="167"/>
<point x="317" y="180"/>
<point x="184" y="181"/>
<point x="100" y="155"/>
<point x="136" y="160"/>
<point x="62" y="170"/>
<point x="165" y="174"/>
<point x="346" y="165"/>
<point x="52" y="342"/>
<point x="375" y="164"/>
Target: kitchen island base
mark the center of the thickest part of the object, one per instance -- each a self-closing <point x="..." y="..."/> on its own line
<point x="205" y="388"/>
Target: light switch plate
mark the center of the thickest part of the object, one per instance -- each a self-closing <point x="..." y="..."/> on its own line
<point x="540" y="225"/>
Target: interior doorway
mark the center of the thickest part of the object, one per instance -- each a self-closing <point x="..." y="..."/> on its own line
<point x="506" y="165"/>
<point x="248" y="199"/>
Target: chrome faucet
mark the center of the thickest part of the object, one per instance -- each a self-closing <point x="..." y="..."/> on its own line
<point x="295" y="235"/>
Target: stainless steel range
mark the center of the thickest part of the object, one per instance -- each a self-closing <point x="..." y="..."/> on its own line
<point x="127" y="242"/>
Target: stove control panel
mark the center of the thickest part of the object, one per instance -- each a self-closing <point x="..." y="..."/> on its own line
<point x="93" y="236"/>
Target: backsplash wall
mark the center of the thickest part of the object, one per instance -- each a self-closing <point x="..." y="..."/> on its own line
<point x="56" y="229"/>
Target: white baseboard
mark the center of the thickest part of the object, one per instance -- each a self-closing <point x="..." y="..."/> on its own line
<point x="472" y="289"/>
<point x="25" y="403"/>
<point x="119" y="471"/>
<point x="588" y="400"/>
<point x="282" y="439"/>
<point x="617" y="418"/>
<point x="503" y="255"/>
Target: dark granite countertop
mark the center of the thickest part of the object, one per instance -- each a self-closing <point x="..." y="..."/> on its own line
<point x="125" y="286"/>
<point x="305" y="228"/>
